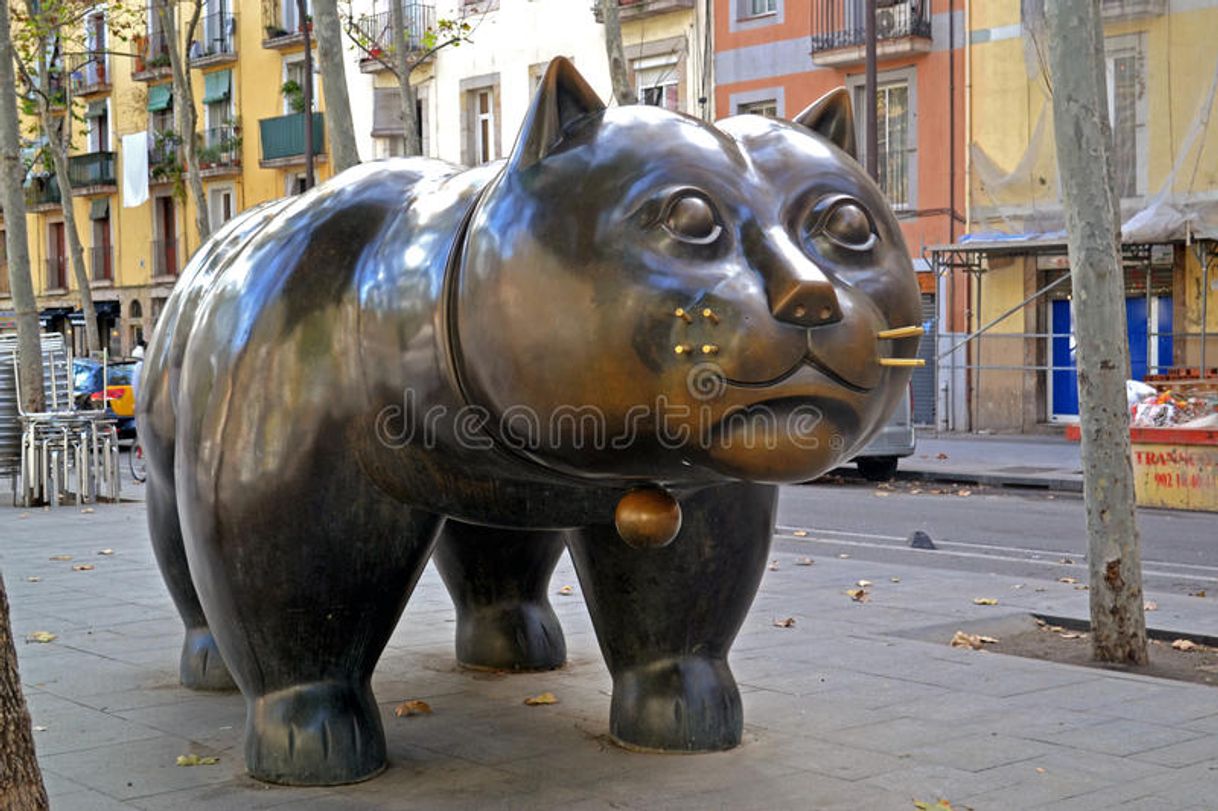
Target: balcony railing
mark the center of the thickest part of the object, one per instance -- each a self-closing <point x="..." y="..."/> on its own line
<point x="91" y="75"/>
<point x="164" y="158"/>
<point x="164" y="257"/>
<point x="1131" y="9"/>
<point x="42" y="191"/>
<point x="838" y="24"/>
<point x="57" y="273"/>
<point x="634" y="9"/>
<point x="101" y="263"/>
<point x="219" y="148"/>
<point x="93" y="169"/>
<point x="283" y="136"/>
<point x="219" y="40"/>
<point x="375" y="31"/>
<point x="151" y="56"/>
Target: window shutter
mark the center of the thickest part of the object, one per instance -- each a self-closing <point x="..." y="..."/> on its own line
<point x="387" y="112"/>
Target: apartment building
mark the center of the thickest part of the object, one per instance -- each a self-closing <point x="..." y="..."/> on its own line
<point x="1162" y="74"/>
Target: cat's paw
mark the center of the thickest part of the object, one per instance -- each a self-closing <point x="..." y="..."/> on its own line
<point x="202" y="667"/>
<point x="519" y="636"/>
<point x="318" y="734"/>
<point x="685" y="704"/>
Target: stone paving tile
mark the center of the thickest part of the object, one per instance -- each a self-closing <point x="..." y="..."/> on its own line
<point x="1092" y="693"/>
<point x="899" y="736"/>
<point x="1123" y="737"/>
<point x="933" y="782"/>
<point x="803" y="790"/>
<point x="979" y="752"/>
<point x="1202" y="749"/>
<point x="832" y="759"/>
<point x="70" y="729"/>
<point x="139" y="768"/>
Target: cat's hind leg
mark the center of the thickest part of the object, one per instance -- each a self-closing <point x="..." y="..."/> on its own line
<point x="498" y="579"/>
<point x="666" y="618"/>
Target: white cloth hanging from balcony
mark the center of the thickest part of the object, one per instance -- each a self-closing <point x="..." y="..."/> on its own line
<point x="135" y="169"/>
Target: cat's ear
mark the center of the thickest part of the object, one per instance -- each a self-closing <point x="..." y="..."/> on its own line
<point x="832" y="116"/>
<point x="562" y="98"/>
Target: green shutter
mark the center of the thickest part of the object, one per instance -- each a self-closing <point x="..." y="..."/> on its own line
<point x="160" y="97"/>
<point x="99" y="208"/>
<point x="216" y="86"/>
<point x="97" y="109"/>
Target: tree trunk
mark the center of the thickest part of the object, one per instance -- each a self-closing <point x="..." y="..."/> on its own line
<point x="413" y="144"/>
<point x="76" y="251"/>
<point x="58" y="132"/>
<point x="309" y="149"/>
<point x="21" y="786"/>
<point x="184" y="107"/>
<point x="623" y="91"/>
<point x="1084" y="156"/>
<point x="12" y="198"/>
<point x="339" y="127"/>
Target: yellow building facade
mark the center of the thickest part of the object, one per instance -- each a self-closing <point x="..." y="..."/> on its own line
<point x="251" y="149"/>
<point x="1162" y="73"/>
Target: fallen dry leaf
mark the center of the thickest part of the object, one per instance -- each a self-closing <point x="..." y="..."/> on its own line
<point x="785" y="622"/>
<point x="973" y="641"/>
<point x="1184" y="644"/>
<point x="1071" y="635"/>
<point x="61" y="557"/>
<point x="195" y="760"/>
<point x="942" y="805"/>
<point x="39" y="728"/>
<point x="1082" y="588"/>
<point x="82" y="567"/>
<point x="984" y="601"/>
<point x="894" y="579"/>
<point x="1150" y="605"/>
<point x="863" y="584"/>
<point x="881" y="493"/>
<point x="858" y="595"/>
<point x="773" y="567"/>
<point x="105" y="551"/>
<point x="1067" y="580"/>
<point x="941" y="456"/>
<point x="804" y="562"/>
<point x="565" y="590"/>
<point x="1066" y="561"/>
<point x="1040" y="770"/>
<point x="800" y="533"/>
<point x="41" y="637"/>
<point x="964" y="493"/>
<point x="843" y="556"/>
<point x="33" y="579"/>
<point x="412" y="707"/>
<point x="934" y="491"/>
<point x="1197" y="593"/>
<point x="913" y="491"/>
<point x="539" y="700"/>
<point x="88" y="510"/>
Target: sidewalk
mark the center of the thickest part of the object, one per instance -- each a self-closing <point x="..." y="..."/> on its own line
<point x="1050" y="463"/>
<point x="848" y="709"/>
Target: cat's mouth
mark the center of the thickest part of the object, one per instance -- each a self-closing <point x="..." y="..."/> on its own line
<point x="807" y="361"/>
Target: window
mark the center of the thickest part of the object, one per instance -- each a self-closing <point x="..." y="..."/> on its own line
<point x="220" y="206"/>
<point x="657" y="82"/>
<point x="296" y="184"/>
<point x="165" y="237"/>
<point x="4" y="291"/>
<point x="896" y="137"/>
<point x="294" y="71"/>
<point x="767" y="108"/>
<point x="101" y="261"/>
<point x="98" y="118"/>
<point x="291" y="15"/>
<point x="387" y="130"/>
<point x="1127" y="112"/>
<point x="57" y="266"/>
<point x="480" y="120"/>
<point x="755" y="8"/>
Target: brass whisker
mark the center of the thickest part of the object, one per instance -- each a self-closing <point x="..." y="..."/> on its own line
<point x="900" y="332"/>
<point x="905" y="362"/>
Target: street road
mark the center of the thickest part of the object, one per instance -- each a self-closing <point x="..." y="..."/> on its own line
<point x="1024" y="534"/>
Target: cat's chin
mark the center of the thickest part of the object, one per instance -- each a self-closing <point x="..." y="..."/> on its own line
<point x="783" y="441"/>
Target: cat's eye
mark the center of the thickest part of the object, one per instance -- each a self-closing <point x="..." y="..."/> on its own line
<point x="691" y="218"/>
<point x="849" y="226"/>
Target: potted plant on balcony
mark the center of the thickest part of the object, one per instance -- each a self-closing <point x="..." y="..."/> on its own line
<point x="294" y="93"/>
<point x="274" y="32"/>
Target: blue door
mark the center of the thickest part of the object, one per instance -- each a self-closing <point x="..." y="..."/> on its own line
<point x="1135" y="324"/>
<point x="1164" y="340"/>
<point x="1065" y="379"/>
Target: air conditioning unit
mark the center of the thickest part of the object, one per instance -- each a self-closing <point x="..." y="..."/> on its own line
<point x="893" y="17"/>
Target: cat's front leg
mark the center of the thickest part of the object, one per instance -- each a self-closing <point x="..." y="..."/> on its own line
<point x="666" y="618"/>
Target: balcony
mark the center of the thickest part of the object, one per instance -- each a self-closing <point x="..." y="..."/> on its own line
<point x="151" y="57"/>
<point x="375" y="32"/>
<point x="42" y="193"/>
<point x="219" y="43"/>
<point x="283" y="139"/>
<point x="90" y="75"/>
<point x="164" y="158"/>
<point x="164" y="258"/>
<point x="282" y="23"/>
<point x="902" y="27"/>
<point x="57" y="273"/>
<point x="219" y="152"/>
<point x="92" y="173"/>
<point x="638" y="9"/>
<point x="1122" y="10"/>
<point x="101" y="263"/>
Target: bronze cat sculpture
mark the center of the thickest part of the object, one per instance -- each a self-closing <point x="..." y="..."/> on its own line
<point x="631" y="329"/>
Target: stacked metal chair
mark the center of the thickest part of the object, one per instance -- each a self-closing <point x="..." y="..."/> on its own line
<point x="62" y="452"/>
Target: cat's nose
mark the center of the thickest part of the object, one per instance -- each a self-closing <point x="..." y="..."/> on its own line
<point x="799" y="292"/>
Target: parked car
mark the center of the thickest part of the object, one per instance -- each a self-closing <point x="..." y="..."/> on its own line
<point x="88" y="379"/>
<point x="878" y="461"/>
